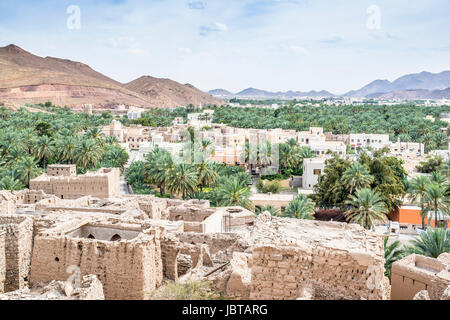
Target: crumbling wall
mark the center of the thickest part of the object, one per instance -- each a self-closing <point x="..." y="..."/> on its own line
<point x="18" y="247"/>
<point x="216" y="242"/>
<point x="127" y="269"/>
<point x="239" y="283"/>
<point x="281" y="273"/>
<point x="153" y="207"/>
<point x="179" y="257"/>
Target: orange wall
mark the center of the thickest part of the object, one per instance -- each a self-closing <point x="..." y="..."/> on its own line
<point x="408" y="215"/>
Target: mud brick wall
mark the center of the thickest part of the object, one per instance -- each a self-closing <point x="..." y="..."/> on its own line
<point x="126" y="269"/>
<point x="18" y="247"/>
<point x="2" y="262"/>
<point x="281" y="273"/>
<point x="215" y="241"/>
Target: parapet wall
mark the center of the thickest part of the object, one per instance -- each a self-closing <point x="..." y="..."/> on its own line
<point x="415" y="273"/>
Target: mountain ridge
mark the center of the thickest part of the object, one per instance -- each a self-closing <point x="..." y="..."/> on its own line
<point x="424" y="83"/>
<point x="27" y="78"/>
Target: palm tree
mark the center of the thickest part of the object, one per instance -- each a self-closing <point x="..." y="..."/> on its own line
<point x="115" y="157"/>
<point x="94" y="133"/>
<point x="438" y="178"/>
<point x="206" y="174"/>
<point x="15" y="153"/>
<point x="9" y="182"/>
<point x="45" y="149"/>
<point x="111" y="140"/>
<point x="445" y="168"/>
<point x="436" y="200"/>
<point x="87" y="153"/>
<point x="265" y="154"/>
<point x="368" y="207"/>
<point x="157" y="167"/>
<point x="392" y="253"/>
<point x="182" y="179"/>
<point x="67" y="146"/>
<point x="232" y="192"/>
<point x="272" y="210"/>
<point x="431" y="243"/>
<point x="357" y="176"/>
<point x="417" y="193"/>
<point x="301" y="208"/>
<point x="27" y="169"/>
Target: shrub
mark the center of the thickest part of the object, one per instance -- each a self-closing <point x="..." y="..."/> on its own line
<point x="268" y="186"/>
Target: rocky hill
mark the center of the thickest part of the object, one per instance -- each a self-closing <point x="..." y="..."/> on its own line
<point x="27" y="78"/>
<point x="168" y="93"/>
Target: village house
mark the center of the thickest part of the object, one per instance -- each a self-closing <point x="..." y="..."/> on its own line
<point x="62" y="181"/>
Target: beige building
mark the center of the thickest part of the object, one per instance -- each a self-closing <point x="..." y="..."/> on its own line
<point x="62" y="181"/>
<point x="405" y="148"/>
<point x="279" y="201"/>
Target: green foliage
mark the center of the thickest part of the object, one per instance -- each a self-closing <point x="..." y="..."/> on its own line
<point x="114" y="157"/>
<point x="404" y="121"/>
<point x="182" y="179"/>
<point x="430" y="165"/>
<point x="392" y="253"/>
<point x="431" y="243"/>
<point x="272" y="210"/>
<point x="30" y="141"/>
<point x="231" y="192"/>
<point x="417" y="193"/>
<point x="367" y="207"/>
<point x="268" y="186"/>
<point x="301" y="208"/>
<point x="340" y="179"/>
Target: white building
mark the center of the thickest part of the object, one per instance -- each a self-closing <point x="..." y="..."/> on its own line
<point x="312" y="169"/>
<point x="135" y="113"/>
<point x="364" y="140"/>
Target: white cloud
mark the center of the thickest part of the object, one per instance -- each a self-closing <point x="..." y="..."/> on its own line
<point x="299" y="50"/>
<point x="214" y="27"/>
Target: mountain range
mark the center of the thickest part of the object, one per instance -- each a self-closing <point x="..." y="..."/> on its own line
<point x="27" y="78"/>
<point x="424" y="85"/>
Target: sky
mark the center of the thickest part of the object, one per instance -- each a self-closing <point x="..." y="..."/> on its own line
<point x="277" y="45"/>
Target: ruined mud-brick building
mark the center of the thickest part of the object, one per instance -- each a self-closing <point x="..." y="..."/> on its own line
<point x="133" y="243"/>
<point x="125" y="257"/>
<point x="62" y="181"/>
<point x="415" y="273"/>
<point x="18" y="238"/>
<point x="328" y="260"/>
